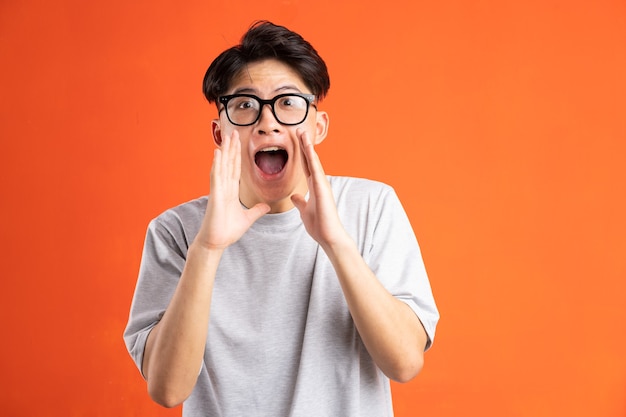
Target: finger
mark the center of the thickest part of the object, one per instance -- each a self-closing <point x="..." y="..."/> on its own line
<point x="216" y="166"/>
<point x="234" y="159"/>
<point x="303" y="154"/>
<point x="314" y="165"/>
<point x="257" y="211"/>
<point x="299" y="202"/>
<point x="225" y="145"/>
<point x="222" y="163"/>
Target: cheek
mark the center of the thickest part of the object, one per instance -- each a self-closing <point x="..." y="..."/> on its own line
<point x="247" y="158"/>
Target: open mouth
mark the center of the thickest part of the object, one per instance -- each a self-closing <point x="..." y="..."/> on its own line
<point x="271" y="160"/>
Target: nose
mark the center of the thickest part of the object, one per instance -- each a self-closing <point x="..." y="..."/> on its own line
<point x="267" y="121"/>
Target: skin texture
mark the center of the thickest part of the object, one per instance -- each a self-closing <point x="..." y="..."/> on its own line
<point x="391" y="332"/>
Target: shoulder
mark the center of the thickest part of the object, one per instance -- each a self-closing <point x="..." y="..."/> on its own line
<point x="353" y="188"/>
<point x="185" y="217"/>
<point x="358" y="184"/>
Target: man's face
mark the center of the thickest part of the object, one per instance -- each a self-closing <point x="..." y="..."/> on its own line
<point x="271" y="157"/>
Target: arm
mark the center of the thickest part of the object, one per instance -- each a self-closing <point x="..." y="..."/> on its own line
<point x="175" y="347"/>
<point x="390" y="330"/>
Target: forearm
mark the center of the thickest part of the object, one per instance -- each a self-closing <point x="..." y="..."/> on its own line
<point x="390" y="330"/>
<point x="175" y="346"/>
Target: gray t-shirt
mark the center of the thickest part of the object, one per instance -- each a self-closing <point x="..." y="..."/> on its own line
<point x="281" y="339"/>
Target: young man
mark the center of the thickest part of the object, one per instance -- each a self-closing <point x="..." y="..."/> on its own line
<point x="285" y="292"/>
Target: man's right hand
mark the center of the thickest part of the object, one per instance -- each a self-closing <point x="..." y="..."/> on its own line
<point x="226" y="220"/>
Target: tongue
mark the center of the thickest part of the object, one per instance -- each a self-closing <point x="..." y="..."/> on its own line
<point x="271" y="162"/>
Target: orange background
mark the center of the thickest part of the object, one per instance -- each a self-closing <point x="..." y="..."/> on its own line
<point x="500" y="124"/>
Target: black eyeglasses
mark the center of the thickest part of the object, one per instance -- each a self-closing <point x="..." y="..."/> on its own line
<point x="288" y="109"/>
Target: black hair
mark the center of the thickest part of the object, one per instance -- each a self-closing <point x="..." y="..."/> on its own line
<point x="265" y="40"/>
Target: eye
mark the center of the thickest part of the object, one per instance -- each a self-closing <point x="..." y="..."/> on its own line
<point x="243" y="103"/>
<point x="292" y="102"/>
<point x="285" y="102"/>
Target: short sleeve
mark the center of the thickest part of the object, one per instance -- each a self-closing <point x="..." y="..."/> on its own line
<point x="162" y="263"/>
<point x="396" y="259"/>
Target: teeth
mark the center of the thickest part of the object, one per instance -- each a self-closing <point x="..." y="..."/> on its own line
<point x="270" y="149"/>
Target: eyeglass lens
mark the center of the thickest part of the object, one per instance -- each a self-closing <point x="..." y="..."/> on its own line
<point x="244" y="110"/>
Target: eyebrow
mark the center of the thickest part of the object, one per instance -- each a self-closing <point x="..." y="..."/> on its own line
<point x="250" y="90"/>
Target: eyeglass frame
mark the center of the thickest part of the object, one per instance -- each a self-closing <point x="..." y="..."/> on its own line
<point x="309" y="98"/>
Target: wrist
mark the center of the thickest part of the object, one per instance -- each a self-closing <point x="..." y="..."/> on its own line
<point x="340" y="245"/>
<point x="202" y="252"/>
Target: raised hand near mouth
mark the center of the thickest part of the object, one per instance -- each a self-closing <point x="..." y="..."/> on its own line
<point x="226" y="220"/>
<point x="378" y="316"/>
<point x="319" y="213"/>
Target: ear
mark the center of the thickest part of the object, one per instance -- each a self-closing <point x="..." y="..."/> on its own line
<point x="321" y="127"/>
<point x="217" y="132"/>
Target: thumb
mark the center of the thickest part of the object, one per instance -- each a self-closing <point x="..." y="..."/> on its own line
<point x="257" y="211"/>
<point x="298" y="201"/>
